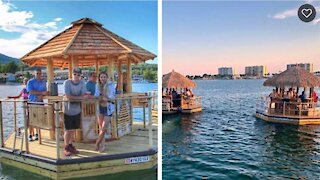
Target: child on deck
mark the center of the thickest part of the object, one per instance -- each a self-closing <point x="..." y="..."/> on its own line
<point x="24" y="94"/>
<point x="105" y="90"/>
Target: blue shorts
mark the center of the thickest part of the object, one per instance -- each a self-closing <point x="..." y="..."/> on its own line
<point x="104" y="111"/>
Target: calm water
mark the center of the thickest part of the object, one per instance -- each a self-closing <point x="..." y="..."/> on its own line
<point x="10" y="173"/>
<point x="226" y="141"/>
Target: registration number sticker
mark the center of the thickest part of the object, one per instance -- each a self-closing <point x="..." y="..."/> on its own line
<point x="136" y="160"/>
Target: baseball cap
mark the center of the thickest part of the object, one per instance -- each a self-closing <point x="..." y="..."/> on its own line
<point x="77" y="70"/>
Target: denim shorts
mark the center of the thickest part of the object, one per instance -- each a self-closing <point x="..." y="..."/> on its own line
<point x="104" y="111"/>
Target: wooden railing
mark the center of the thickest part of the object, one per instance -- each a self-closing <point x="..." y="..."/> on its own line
<point x="285" y="108"/>
<point x="191" y="103"/>
<point x="50" y="113"/>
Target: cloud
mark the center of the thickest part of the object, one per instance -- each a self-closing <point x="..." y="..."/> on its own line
<point x="316" y="21"/>
<point x="58" y="19"/>
<point x="31" y="33"/>
<point x="286" y="14"/>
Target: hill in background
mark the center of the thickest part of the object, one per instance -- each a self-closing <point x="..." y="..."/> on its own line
<point x="4" y="59"/>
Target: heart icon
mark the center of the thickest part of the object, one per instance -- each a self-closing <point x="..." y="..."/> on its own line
<point x="306" y="12"/>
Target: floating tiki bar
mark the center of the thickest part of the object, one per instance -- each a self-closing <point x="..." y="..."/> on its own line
<point x="176" y="97"/>
<point x="131" y="145"/>
<point x="286" y="104"/>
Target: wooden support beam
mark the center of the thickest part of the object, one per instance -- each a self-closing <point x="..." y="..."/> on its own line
<point x="97" y="67"/>
<point x="1" y="126"/>
<point x="74" y="61"/>
<point x="50" y="73"/>
<point x="129" y="78"/>
<point x="70" y="69"/>
<point x="110" y="70"/>
<point x="64" y="65"/>
<point x="150" y="124"/>
<point x="120" y="78"/>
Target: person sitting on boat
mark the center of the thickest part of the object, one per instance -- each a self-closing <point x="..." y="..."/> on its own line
<point x="37" y="90"/>
<point x="290" y="93"/>
<point x="314" y="96"/>
<point x="303" y="97"/>
<point x="286" y="97"/>
<point x="191" y="93"/>
<point x="273" y="95"/>
<point x="175" y="99"/>
<point x="74" y="90"/>
<point x="105" y="91"/>
<point x="91" y="84"/>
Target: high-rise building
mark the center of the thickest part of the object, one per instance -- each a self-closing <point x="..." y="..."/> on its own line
<point x="225" y="71"/>
<point x="306" y="66"/>
<point x="259" y="71"/>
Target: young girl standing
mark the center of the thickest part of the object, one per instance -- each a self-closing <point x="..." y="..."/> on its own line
<point x="105" y="91"/>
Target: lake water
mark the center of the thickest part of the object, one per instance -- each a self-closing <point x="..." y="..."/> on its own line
<point x="10" y="173"/>
<point x="226" y="141"/>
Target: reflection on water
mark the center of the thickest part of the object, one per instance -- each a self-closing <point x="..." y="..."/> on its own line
<point x="226" y="141"/>
<point x="8" y="172"/>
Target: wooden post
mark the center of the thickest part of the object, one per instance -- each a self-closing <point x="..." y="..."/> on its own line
<point x="50" y="73"/>
<point x="1" y="126"/>
<point x="116" y="110"/>
<point x="110" y="69"/>
<point x="50" y="76"/>
<point x="74" y="64"/>
<point x="144" y="115"/>
<point x="150" y="125"/>
<point x="131" y="114"/>
<point x="154" y="96"/>
<point x="15" y="115"/>
<point x="120" y="78"/>
<point x="57" y="116"/>
<point x="97" y="67"/>
<point x="25" y="106"/>
<point x="70" y="69"/>
<point x="129" y="74"/>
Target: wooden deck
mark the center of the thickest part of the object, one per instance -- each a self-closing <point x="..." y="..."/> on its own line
<point x="135" y="142"/>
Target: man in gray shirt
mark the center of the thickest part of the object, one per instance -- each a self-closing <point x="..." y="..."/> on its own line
<point x="75" y="91"/>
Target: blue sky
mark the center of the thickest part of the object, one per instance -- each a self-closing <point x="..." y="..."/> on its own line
<point x="206" y="35"/>
<point x="27" y="24"/>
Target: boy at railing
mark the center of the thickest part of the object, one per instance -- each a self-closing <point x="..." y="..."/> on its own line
<point x="75" y="90"/>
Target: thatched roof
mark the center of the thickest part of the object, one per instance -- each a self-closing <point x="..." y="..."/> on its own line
<point x="87" y="41"/>
<point x="176" y="80"/>
<point x="294" y="77"/>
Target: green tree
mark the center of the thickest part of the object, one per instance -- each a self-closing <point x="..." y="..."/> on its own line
<point x="11" y="67"/>
<point x="28" y="75"/>
<point x="150" y="75"/>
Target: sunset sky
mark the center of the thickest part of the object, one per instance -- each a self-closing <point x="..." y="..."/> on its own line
<point x="199" y="37"/>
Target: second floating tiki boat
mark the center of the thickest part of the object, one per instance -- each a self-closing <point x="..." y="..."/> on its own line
<point x="290" y="102"/>
<point x="177" y="95"/>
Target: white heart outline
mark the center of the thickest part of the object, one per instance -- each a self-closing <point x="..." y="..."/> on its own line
<point x="303" y="12"/>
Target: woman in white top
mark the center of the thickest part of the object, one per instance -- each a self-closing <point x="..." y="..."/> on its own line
<point x="105" y="91"/>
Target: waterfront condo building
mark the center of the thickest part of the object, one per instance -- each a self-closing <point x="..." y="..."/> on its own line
<point x="225" y="71"/>
<point x="306" y="66"/>
<point x="258" y="71"/>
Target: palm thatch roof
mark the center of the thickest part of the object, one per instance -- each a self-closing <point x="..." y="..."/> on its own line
<point x="88" y="42"/>
<point x="176" y="80"/>
<point x="294" y="77"/>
